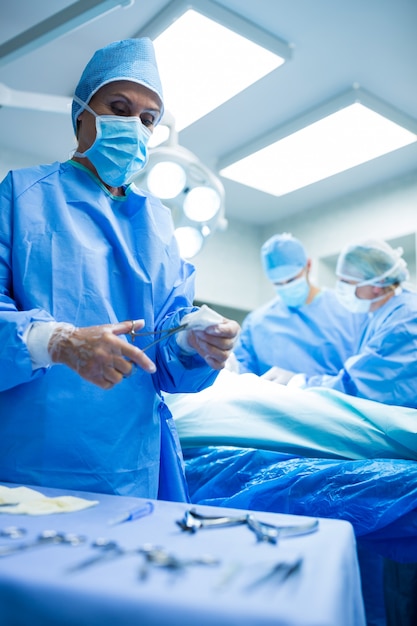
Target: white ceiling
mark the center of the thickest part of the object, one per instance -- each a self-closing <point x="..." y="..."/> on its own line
<point x="336" y="44"/>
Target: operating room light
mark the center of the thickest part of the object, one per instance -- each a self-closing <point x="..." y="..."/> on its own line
<point x="166" y="179"/>
<point x="189" y="188"/>
<point x="344" y="139"/>
<point x="190" y="241"/>
<point x="217" y="62"/>
<point x="202" y="203"/>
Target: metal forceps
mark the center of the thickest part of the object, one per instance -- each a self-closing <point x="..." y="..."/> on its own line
<point x="271" y="533"/>
<point x="46" y="538"/>
<point x="279" y="573"/>
<point x="108" y="550"/>
<point x="193" y="521"/>
<point x="13" y="532"/>
<point x="163" y="334"/>
<point x="159" y="557"/>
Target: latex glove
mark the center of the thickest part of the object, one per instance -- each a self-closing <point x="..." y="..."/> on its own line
<point x="24" y="500"/>
<point x="210" y="335"/>
<point x="278" y="375"/>
<point x="97" y="353"/>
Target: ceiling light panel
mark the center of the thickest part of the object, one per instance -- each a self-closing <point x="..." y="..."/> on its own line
<point x="207" y="55"/>
<point x="336" y="142"/>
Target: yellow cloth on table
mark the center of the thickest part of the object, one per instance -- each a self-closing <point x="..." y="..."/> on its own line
<point x="22" y="500"/>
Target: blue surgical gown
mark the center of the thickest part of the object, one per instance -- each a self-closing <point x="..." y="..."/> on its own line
<point x="315" y="338"/>
<point x="384" y="368"/>
<point x="71" y="252"/>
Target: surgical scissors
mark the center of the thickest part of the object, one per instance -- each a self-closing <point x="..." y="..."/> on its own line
<point x="164" y="334"/>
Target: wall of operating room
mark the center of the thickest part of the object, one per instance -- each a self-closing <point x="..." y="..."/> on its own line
<point x="229" y="269"/>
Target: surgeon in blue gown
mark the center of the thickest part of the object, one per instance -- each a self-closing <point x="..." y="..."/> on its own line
<point x="303" y="329"/>
<point x="88" y="263"/>
<point x="384" y="369"/>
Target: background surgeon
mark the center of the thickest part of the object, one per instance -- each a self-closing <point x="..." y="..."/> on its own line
<point x="304" y="328"/>
<point x="86" y="262"/>
<point x="384" y="369"/>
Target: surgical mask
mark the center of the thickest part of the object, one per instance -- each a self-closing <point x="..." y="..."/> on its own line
<point x="346" y="294"/>
<point x="119" y="151"/>
<point x="295" y="293"/>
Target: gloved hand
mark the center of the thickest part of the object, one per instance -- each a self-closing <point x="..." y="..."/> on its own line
<point x="278" y="375"/>
<point x="97" y="353"/>
<point x="209" y="334"/>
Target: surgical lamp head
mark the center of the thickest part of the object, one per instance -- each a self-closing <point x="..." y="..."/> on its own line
<point x="283" y="257"/>
<point x="129" y="59"/>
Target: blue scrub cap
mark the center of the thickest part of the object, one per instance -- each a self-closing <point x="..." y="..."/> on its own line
<point x="373" y="261"/>
<point x="129" y="59"/>
<point x="283" y="257"/>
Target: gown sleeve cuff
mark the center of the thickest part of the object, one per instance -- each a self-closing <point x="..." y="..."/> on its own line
<point x="37" y="337"/>
<point x="182" y="342"/>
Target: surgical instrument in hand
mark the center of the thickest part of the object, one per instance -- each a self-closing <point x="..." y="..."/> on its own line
<point x="164" y="334"/>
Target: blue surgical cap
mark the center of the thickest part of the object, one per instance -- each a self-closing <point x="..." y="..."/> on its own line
<point x="283" y="257"/>
<point x="373" y="261"/>
<point x="130" y="59"/>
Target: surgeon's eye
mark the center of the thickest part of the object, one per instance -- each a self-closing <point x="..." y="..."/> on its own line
<point x="120" y="108"/>
<point x="147" y="120"/>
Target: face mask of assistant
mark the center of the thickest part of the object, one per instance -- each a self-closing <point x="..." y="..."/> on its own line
<point x="295" y="293"/>
<point x="119" y="151"/>
<point x="347" y="296"/>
